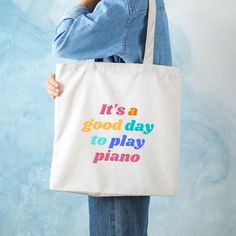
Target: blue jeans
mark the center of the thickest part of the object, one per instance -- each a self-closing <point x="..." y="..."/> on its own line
<point x="118" y="216"/>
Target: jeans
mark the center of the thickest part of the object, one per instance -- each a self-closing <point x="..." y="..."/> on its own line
<point x="118" y="215"/>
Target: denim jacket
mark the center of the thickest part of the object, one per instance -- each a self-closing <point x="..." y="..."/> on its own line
<point x="115" y="30"/>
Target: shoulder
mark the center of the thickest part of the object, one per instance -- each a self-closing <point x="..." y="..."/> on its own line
<point x="131" y="5"/>
<point x="109" y="5"/>
<point x="137" y="6"/>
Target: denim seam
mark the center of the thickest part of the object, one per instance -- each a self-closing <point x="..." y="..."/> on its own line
<point x="124" y="41"/>
<point x="113" y="218"/>
<point x="132" y="13"/>
<point x="132" y="9"/>
<point x="131" y="6"/>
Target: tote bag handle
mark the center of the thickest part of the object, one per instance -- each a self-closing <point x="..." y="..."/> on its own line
<point x="150" y="38"/>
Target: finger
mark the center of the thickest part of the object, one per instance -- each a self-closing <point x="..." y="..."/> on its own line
<point x="52" y="93"/>
<point x="52" y="77"/>
<point x="53" y="82"/>
<point x="53" y="88"/>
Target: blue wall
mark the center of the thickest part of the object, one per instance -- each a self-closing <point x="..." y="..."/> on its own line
<point x="202" y="35"/>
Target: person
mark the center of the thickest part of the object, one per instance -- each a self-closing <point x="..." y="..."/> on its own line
<point x="112" y="31"/>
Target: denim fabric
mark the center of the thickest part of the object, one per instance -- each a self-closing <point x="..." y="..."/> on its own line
<point x="113" y="28"/>
<point x="114" y="32"/>
<point x="118" y="216"/>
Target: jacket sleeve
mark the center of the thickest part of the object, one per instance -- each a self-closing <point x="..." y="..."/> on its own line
<point x="85" y="35"/>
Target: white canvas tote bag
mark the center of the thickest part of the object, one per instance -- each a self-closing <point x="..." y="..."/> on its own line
<point x="116" y="126"/>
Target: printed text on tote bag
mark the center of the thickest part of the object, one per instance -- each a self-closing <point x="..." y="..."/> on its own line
<point x="112" y="142"/>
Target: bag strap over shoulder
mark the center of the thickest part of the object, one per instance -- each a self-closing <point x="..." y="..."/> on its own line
<point x="150" y="38"/>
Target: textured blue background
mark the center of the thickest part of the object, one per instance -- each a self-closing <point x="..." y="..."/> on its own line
<point x="203" y="40"/>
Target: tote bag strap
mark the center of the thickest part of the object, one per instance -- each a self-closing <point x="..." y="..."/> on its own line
<point x="150" y="38"/>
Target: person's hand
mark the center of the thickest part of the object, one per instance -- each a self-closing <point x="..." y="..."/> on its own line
<point x="53" y="86"/>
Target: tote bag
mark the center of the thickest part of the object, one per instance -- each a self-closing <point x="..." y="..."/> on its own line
<point x="116" y="126"/>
